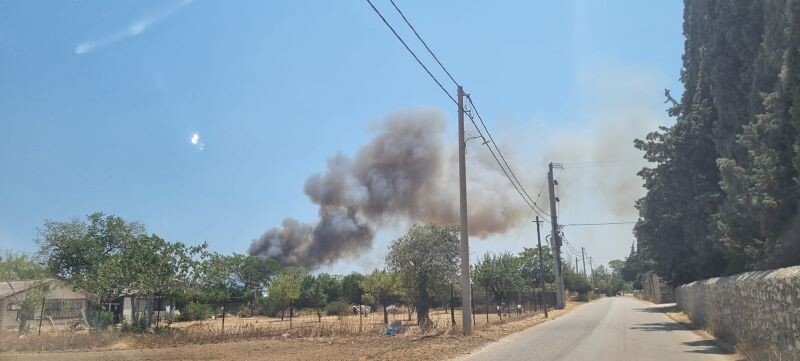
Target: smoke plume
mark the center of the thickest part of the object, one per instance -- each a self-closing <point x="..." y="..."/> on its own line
<point x="405" y="173"/>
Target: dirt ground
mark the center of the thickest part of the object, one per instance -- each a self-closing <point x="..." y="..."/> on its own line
<point x="410" y="346"/>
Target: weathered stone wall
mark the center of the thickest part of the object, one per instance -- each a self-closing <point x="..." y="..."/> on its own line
<point x="759" y="312"/>
<point x="655" y="289"/>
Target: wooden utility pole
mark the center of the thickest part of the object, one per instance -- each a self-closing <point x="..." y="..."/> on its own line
<point x="556" y="238"/>
<point x="541" y="266"/>
<point x="466" y="289"/>
<point x="591" y="268"/>
<point x="583" y="256"/>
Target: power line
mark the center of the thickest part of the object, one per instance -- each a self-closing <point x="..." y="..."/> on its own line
<point x="595" y="224"/>
<point x="512" y="178"/>
<point x="522" y="193"/>
<point x="523" y="229"/>
<point x="499" y="152"/>
<point x="412" y="52"/>
<point x="592" y="164"/>
<point x="423" y="42"/>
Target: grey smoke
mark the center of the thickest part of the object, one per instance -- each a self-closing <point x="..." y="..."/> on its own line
<point x="405" y="173"/>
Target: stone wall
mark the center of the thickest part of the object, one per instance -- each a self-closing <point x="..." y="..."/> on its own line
<point x="759" y="312"/>
<point x="655" y="289"/>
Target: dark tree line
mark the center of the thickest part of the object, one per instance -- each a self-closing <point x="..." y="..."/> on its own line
<point x="723" y="194"/>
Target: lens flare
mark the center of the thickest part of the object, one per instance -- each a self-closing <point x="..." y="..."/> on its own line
<point x="195" y="138"/>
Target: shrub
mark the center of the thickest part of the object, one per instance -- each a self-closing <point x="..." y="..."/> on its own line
<point x="102" y="320"/>
<point x="195" y="311"/>
<point x="337" y="308"/>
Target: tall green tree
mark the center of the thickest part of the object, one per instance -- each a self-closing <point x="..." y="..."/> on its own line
<point x="285" y="288"/>
<point x="426" y="259"/>
<point x="352" y="292"/>
<point x="252" y="274"/>
<point x="500" y="274"/>
<point x="723" y="192"/>
<point x="109" y="256"/>
<point x="531" y="269"/>
<point x="16" y="266"/>
<point x="384" y="287"/>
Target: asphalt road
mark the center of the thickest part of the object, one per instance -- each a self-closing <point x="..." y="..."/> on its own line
<point x="615" y="328"/>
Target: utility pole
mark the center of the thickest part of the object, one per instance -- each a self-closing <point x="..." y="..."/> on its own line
<point x="466" y="289"/>
<point x="583" y="256"/>
<point x="576" y="265"/>
<point x="556" y="238"/>
<point x="541" y="267"/>
<point x="591" y="268"/>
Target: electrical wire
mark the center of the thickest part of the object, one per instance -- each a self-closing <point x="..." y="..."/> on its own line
<point x="511" y="177"/>
<point x="412" y="52"/>
<point x="423" y="41"/>
<point x="595" y="224"/>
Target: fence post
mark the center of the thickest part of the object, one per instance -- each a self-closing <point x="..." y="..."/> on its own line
<point x="223" y="317"/>
<point x="487" y="305"/>
<point x="41" y="315"/>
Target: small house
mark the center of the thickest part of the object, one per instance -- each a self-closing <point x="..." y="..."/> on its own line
<point x="62" y="305"/>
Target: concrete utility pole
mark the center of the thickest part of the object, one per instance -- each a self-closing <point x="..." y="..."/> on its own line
<point x="466" y="289"/>
<point x="541" y="267"/>
<point x="583" y="256"/>
<point x="591" y="268"/>
<point x="556" y="238"/>
<point x="576" y="265"/>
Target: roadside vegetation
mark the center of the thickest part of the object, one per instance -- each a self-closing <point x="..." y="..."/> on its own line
<point x="107" y="256"/>
<point x="722" y="191"/>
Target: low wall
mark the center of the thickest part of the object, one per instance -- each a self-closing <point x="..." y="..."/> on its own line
<point x="759" y="312"/>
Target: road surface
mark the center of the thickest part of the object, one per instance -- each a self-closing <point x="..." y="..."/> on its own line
<point x="615" y="328"/>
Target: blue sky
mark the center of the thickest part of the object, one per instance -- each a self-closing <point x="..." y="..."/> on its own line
<point x="99" y="100"/>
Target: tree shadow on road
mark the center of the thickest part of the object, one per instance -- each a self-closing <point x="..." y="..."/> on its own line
<point x="710" y="347"/>
<point x="668" y="307"/>
<point x="660" y="326"/>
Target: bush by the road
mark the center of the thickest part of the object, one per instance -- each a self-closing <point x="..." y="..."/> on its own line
<point x="337" y="308"/>
<point x="195" y="311"/>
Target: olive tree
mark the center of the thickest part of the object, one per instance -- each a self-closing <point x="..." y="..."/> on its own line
<point x="426" y="260"/>
<point x="383" y="286"/>
<point x="285" y="288"/>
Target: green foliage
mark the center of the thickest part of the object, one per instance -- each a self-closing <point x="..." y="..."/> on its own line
<point x="220" y="277"/>
<point x="108" y="256"/>
<point x="251" y="275"/>
<point x="500" y="274"/>
<point x="195" y="311"/>
<point x="337" y="308"/>
<point x="529" y="261"/>
<point x="285" y="288"/>
<point x="31" y="299"/>
<point x="102" y="320"/>
<point x="575" y="281"/>
<point x="318" y="291"/>
<point x="20" y="266"/>
<point x="426" y="259"/>
<point x="384" y="287"/>
<point x="351" y="288"/>
<point x="723" y="194"/>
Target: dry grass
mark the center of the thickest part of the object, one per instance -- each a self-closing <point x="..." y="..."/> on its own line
<point x="241" y="328"/>
<point x="439" y="343"/>
<point x="56" y="340"/>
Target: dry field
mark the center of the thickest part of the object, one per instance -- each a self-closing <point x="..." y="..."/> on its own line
<point x="308" y="339"/>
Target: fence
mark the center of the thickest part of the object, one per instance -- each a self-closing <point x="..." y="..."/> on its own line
<point x="485" y="304"/>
